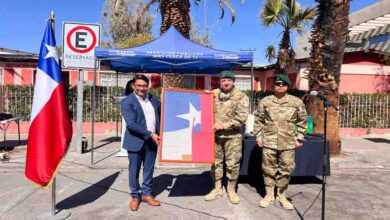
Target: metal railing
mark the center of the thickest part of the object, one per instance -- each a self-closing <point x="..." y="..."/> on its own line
<point x="17" y="100"/>
<point x="355" y="110"/>
<point x="364" y="111"/>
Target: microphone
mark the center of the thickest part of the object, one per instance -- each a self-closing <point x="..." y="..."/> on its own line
<point x="318" y="95"/>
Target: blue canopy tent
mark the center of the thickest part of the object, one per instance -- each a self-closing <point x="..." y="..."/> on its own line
<point x="170" y="53"/>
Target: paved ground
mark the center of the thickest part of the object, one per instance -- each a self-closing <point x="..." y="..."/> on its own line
<point x="357" y="189"/>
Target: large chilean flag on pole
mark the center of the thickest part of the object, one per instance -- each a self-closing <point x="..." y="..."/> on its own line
<point x="50" y="127"/>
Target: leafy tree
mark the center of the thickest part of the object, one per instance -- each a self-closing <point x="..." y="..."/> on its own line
<point x="126" y="19"/>
<point x="135" y="41"/>
<point x="197" y="37"/>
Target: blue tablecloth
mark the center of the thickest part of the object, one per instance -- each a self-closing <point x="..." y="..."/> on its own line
<point x="308" y="158"/>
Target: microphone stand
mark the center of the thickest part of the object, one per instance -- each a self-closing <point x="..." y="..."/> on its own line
<point x="324" y="158"/>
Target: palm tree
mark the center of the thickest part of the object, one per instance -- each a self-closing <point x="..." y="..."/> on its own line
<point x="288" y="15"/>
<point x="328" y="39"/>
<point x="177" y="13"/>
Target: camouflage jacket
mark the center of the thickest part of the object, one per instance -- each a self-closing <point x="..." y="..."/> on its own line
<point x="278" y="123"/>
<point x="231" y="110"/>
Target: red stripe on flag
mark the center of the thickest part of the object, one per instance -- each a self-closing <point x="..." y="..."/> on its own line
<point x="49" y="137"/>
<point x="203" y="141"/>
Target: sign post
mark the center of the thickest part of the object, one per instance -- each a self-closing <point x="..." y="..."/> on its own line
<point x="79" y="42"/>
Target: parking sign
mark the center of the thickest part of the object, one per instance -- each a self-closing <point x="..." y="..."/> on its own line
<point x="79" y="42"/>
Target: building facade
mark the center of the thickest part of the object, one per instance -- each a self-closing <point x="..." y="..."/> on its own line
<point x="365" y="66"/>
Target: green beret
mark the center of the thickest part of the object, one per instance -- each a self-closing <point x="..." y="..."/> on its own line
<point x="227" y="74"/>
<point x="282" y="77"/>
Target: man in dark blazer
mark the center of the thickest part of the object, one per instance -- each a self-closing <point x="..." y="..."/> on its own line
<point x="141" y="112"/>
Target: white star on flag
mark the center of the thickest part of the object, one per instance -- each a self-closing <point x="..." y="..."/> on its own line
<point x="192" y="116"/>
<point x="52" y="52"/>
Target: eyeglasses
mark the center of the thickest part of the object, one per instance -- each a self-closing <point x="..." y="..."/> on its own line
<point x="141" y="86"/>
<point x="280" y="84"/>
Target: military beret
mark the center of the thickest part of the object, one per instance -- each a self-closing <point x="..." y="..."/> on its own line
<point x="227" y="74"/>
<point x="282" y="77"/>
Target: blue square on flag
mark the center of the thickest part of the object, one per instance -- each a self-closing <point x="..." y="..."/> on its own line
<point x="187" y="126"/>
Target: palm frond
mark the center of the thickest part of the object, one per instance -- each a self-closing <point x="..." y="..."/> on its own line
<point x="150" y="4"/>
<point x="117" y="5"/>
<point x="221" y="6"/>
<point x="299" y="29"/>
<point x="271" y="12"/>
<point x="292" y="7"/>
<point x="284" y="20"/>
<point x="226" y="3"/>
<point x="197" y="2"/>
<point x="270" y="53"/>
<point x="231" y="9"/>
<point x="306" y="15"/>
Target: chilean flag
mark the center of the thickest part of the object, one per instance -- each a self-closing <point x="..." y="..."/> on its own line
<point x="187" y="127"/>
<point x="50" y="126"/>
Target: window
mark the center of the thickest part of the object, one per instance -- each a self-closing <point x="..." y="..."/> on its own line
<point x="243" y="83"/>
<point x="189" y="82"/>
<point x="1" y="77"/>
<point x="109" y="79"/>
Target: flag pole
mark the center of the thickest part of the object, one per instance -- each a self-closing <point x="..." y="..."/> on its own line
<point x="62" y="214"/>
<point x="53" y="197"/>
<point x="53" y="186"/>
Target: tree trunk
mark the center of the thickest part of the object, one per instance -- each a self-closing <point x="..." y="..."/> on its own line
<point x="175" y="13"/>
<point x="328" y="39"/>
<point x="315" y="108"/>
<point x="284" y="61"/>
<point x="335" y="29"/>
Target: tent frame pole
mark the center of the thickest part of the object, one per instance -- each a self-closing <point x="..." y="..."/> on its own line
<point x="116" y="119"/>
<point x="252" y="88"/>
<point x="93" y="110"/>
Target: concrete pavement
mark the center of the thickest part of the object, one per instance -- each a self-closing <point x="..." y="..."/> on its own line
<point x="357" y="188"/>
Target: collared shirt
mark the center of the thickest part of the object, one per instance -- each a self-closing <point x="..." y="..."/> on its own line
<point x="148" y="110"/>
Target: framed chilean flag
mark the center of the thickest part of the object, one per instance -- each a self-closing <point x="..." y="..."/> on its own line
<point x="187" y="134"/>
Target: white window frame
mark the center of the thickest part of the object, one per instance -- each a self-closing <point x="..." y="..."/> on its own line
<point x="108" y="79"/>
<point x="1" y="76"/>
<point x="243" y="83"/>
<point x="189" y="81"/>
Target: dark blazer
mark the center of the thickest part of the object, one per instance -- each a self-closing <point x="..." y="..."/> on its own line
<point x="136" y="133"/>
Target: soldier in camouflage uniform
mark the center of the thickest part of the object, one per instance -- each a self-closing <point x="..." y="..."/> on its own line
<point x="280" y="124"/>
<point x="231" y="109"/>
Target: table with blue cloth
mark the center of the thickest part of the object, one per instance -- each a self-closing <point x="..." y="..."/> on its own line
<point x="308" y="158"/>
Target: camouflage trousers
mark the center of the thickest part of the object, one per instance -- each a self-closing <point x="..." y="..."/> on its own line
<point x="230" y="149"/>
<point x="277" y="166"/>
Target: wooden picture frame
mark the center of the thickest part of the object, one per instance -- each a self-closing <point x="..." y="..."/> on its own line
<point x="174" y="145"/>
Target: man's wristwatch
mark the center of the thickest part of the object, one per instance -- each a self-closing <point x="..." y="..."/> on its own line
<point x="300" y="140"/>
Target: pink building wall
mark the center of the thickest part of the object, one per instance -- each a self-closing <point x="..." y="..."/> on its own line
<point x="354" y="83"/>
<point x="8" y="76"/>
<point x="27" y="76"/>
<point x="265" y="79"/>
<point x="361" y="73"/>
